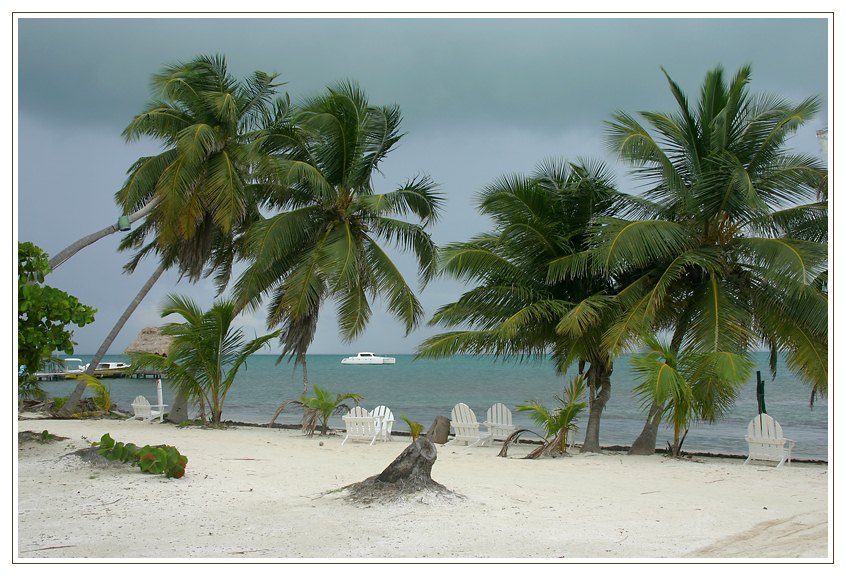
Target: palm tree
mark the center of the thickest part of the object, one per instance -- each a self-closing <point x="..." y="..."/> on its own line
<point x="688" y="385"/>
<point x="322" y="406"/>
<point x="206" y="351"/>
<point x="558" y="423"/>
<point x="727" y="264"/>
<point x="325" y="243"/>
<point x="534" y="295"/>
<point x="204" y="188"/>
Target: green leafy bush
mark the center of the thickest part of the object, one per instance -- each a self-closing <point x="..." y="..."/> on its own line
<point x="151" y="459"/>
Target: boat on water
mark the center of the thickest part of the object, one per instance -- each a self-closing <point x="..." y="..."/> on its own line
<point x="368" y="358"/>
<point x="109" y="369"/>
<point x="73" y="367"/>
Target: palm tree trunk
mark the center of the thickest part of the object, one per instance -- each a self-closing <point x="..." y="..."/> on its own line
<point x="599" y="390"/>
<point x="76" y="396"/>
<point x="304" y="362"/>
<point x="65" y="254"/>
<point x="644" y="445"/>
<point x="179" y="411"/>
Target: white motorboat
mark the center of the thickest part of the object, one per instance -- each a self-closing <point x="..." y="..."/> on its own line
<point x="109" y="368"/>
<point x="73" y="366"/>
<point x="368" y="358"/>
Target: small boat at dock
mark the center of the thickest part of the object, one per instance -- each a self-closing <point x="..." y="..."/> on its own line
<point x="109" y="369"/>
<point x="368" y="358"/>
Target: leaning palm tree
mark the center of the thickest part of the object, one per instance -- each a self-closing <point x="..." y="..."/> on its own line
<point x="534" y="296"/>
<point x="206" y="351"/>
<point x="725" y="268"/>
<point x="204" y="188"/>
<point x="326" y="243"/>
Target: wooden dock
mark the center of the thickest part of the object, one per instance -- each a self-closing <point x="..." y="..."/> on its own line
<point x="53" y="376"/>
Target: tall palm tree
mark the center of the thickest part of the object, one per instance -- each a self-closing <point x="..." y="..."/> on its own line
<point x="204" y="188"/>
<point x="534" y="295"/>
<point x="206" y="351"/>
<point x="732" y="250"/>
<point x="326" y="241"/>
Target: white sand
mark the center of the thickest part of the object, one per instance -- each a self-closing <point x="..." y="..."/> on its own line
<point x="256" y="493"/>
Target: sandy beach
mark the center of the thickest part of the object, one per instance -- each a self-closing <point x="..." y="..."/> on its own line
<point x="252" y="493"/>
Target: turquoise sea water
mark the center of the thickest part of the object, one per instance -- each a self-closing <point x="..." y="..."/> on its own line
<point x="423" y="389"/>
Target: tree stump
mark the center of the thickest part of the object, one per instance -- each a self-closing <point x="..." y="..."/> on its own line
<point x="410" y="473"/>
<point x="439" y="430"/>
<point x="413" y="465"/>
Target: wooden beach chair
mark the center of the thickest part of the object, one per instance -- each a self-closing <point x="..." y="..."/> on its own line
<point x="767" y="442"/>
<point x="361" y="425"/>
<point x="384" y="422"/>
<point x="143" y="410"/>
<point x="498" y="421"/>
<point x="466" y="427"/>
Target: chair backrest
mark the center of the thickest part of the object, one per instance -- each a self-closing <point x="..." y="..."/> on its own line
<point x="141" y="407"/>
<point x="463" y="421"/>
<point x="765" y="427"/>
<point x="462" y="413"/>
<point x="358" y="412"/>
<point x="499" y="414"/>
<point x="387" y="416"/>
<point x="360" y="423"/>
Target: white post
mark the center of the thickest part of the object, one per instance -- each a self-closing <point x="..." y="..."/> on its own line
<point x="160" y="398"/>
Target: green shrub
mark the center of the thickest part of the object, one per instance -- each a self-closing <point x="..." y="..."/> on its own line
<point x="151" y="459"/>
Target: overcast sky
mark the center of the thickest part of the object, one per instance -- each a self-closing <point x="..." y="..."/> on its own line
<point x="479" y="97"/>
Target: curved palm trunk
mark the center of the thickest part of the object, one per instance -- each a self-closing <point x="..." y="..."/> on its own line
<point x="179" y="411"/>
<point x="644" y="445"/>
<point x="599" y="390"/>
<point x="76" y="396"/>
<point x="65" y="254"/>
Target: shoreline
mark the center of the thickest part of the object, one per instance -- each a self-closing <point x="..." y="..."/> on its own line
<point x="615" y="448"/>
<point x="258" y="493"/>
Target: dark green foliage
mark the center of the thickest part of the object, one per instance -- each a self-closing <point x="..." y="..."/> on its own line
<point x="44" y="312"/>
<point x="151" y="459"/>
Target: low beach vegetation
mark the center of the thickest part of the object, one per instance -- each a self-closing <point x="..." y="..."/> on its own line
<point x="557" y="423"/>
<point x="323" y="405"/>
<point x="414" y="428"/>
<point x="161" y="459"/>
<point x="102" y="393"/>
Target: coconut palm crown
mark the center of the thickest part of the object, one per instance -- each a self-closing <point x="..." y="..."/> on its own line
<point x="326" y="240"/>
<point x="206" y="183"/>
<point x="732" y="234"/>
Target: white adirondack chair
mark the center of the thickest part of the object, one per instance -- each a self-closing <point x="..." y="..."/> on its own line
<point x="466" y="427"/>
<point x="384" y="422"/>
<point x="361" y="425"/>
<point x="767" y="442"/>
<point x="499" y="421"/>
<point x="143" y="410"/>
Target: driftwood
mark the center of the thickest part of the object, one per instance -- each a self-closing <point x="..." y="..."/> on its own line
<point x="409" y="474"/>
